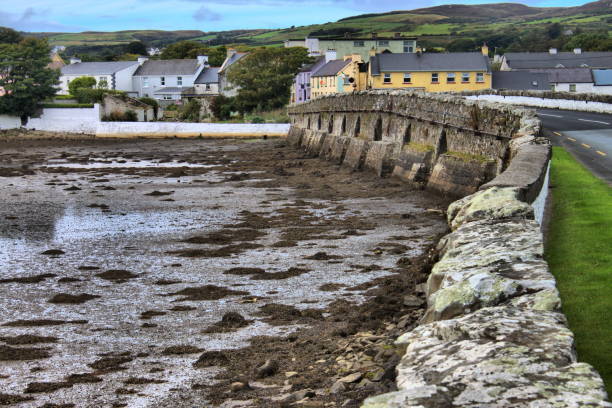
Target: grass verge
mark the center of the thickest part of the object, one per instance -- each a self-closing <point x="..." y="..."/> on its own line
<point x="579" y="252"/>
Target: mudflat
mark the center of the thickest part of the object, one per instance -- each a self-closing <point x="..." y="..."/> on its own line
<point x="195" y="273"/>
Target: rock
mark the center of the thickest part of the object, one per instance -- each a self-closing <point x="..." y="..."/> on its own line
<point x="301" y="394"/>
<point x="349" y="403"/>
<point x="413" y="301"/>
<point x="378" y="375"/>
<point x="291" y="374"/>
<point x="420" y="288"/>
<point x="338" y="387"/>
<point x="351" y="378"/>
<point x="267" y="369"/>
<point x="239" y="386"/>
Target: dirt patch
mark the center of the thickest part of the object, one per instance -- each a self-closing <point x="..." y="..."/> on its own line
<point x="108" y="364"/>
<point x="46" y="387"/>
<point x="159" y="193"/>
<point x="331" y="287"/>
<point x="8" y="353"/>
<point x="207" y="292"/>
<point x="25" y="339"/>
<point x="68" y="299"/>
<point x="182" y="308"/>
<point x="29" y="279"/>
<point x="230" y="321"/>
<point x="142" y="380"/>
<point x="227" y="236"/>
<point x="149" y="314"/>
<point x="180" y="350"/>
<point x="84" y="378"/>
<point x="163" y="282"/>
<point x="222" y="252"/>
<point x="211" y="359"/>
<point x="242" y="271"/>
<point x="42" y="322"/>
<point x="53" y="252"/>
<point x="10" y="399"/>
<point x="116" y="275"/>
<point x="289" y="273"/>
<point x="322" y="256"/>
<point x="49" y="405"/>
<point x="278" y="314"/>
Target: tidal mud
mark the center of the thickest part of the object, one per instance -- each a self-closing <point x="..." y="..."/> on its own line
<point x="182" y="273"/>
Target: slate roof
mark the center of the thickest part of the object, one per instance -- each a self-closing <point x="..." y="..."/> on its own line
<point x="520" y="80"/>
<point x="562" y="75"/>
<point x="309" y="67"/>
<point x="602" y="77"/>
<point x="168" y="67"/>
<point x="539" y="60"/>
<point x="208" y="76"/>
<point x="232" y="60"/>
<point x="96" y="68"/>
<point x="331" y="68"/>
<point x="427" y="62"/>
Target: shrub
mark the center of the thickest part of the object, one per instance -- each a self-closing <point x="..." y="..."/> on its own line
<point x="67" y="105"/>
<point x="221" y="107"/>
<point x="118" y="116"/>
<point x="172" y="107"/>
<point x="257" y="119"/>
<point x="81" y="82"/>
<point x="63" y="97"/>
<point x="191" y="111"/>
<point x="87" y="95"/>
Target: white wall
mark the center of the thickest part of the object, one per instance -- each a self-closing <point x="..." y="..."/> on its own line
<point x="123" y="78"/>
<point x="9" y="122"/>
<point x="77" y="120"/>
<point x="177" y="129"/>
<point x="547" y="103"/>
<point x="580" y="88"/>
<point x="603" y="89"/>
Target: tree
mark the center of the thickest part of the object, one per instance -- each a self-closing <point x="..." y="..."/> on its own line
<point x="265" y="77"/>
<point x="590" y="42"/>
<point x="9" y="36"/>
<point x="191" y="49"/>
<point x="25" y="77"/>
<point x="554" y="30"/>
<point x="461" y="44"/>
<point x="136" y="47"/>
<point x="81" y="82"/>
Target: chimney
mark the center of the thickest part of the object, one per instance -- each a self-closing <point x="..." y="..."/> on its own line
<point x="577" y="50"/>
<point x="330" y="55"/>
<point x="397" y="35"/>
<point x="552" y="51"/>
<point x="372" y="52"/>
<point x="231" y="52"/>
<point x="202" y="60"/>
<point x="75" y="60"/>
<point x="142" y="60"/>
<point x="485" y="49"/>
<point x="374" y="34"/>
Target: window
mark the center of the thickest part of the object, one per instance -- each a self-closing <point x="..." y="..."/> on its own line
<point x="145" y="82"/>
<point x="552" y="87"/>
<point x="162" y="80"/>
<point x="407" y="78"/>
<point x="465" y="77"/>
<point x="572" y="88"/>
<point x="479" y="77"/>
<point x="450" y="78"/>
<point x="179" y="81"/>
<point x="208" y="87"/>
<point x="408" y="46"/>
<point x="358" y="44"/>
<point x="387" y="79"/>
<point x="434" y="78"/>
<point x="167" y="97"/>
<point x="383" y="43"/>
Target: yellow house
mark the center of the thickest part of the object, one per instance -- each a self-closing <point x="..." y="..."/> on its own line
<point x="354" y="75"/>
<point x="327" y="79"/>
<point x="459" y="71"/>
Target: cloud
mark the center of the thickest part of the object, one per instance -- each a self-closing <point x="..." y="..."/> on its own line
<point x="206" y="14"/>
<point x="28" y="21"/>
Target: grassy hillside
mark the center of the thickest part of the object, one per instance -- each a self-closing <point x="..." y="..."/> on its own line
<point x="434" y="25"/>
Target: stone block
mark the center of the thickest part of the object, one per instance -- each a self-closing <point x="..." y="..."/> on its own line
<point x="338" y="149"/>
<point x="458" y="177"/>
<point x="380" y="157"/>
<point x="412" y="164"/>
<point x="294" y="137"/>
<point x="327" y="146"/>
<point x="356" y="153"/>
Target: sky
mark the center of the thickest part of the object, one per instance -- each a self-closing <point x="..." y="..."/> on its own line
<point x="204" y="15"/>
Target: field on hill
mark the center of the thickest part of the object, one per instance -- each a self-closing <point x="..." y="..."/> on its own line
<point x="436" y="26"/>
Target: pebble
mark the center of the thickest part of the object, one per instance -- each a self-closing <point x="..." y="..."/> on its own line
<point x="267" y="369"/>
<point x="351" y="378"/>
<point x="291" y="374"/>
<point x="239" y="386"/>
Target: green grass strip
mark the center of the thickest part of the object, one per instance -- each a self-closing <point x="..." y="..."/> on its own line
<point x="579" y="252"/>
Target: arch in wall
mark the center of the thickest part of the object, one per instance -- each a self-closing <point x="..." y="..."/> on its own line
<point x="308" y="124"/>
<point x="358" y="126"/>
<point x="407" y="134"/>
<point x="378" y="130"/>
<point x="343" y="125"/>
<point x="330" y="125"/>
<point x="441" y="147"/>
<point x="319" y="122"/>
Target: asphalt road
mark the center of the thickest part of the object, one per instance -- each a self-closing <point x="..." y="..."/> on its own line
<point x="588" y="136"/>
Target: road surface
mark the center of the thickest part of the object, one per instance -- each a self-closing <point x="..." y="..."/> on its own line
<point x="588" y="136"/>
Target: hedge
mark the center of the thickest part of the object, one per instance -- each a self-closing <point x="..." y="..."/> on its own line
<point x="67" y="105"/>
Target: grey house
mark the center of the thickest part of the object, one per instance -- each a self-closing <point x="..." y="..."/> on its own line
<point x="117" y="75"/>
<point x="553" y="59"/>
<point x="207" y="83"/>
<point x="225" y="86"/>
<point x="168" y="80"/>
<point x="520" y="80"/>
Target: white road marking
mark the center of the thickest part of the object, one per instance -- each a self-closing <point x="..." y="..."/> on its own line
<point x="572" y="139"/>
<point x="601" y="153"/>
<point x="557" y="133"/>
<point x="594" y="121"/>
<point x="586" y="145"/>
<point x="548" y="114"/>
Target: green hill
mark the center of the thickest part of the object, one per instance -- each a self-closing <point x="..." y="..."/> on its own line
<point x="435" y="26"/>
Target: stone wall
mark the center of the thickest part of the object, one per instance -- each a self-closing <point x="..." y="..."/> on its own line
<point x="493" y="334"/>
<point x="122" y="104"/>
<point x="442" y="142"/>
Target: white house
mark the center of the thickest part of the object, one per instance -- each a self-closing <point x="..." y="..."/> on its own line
<point x="168" y="79"/>
<point x="207" y="83"/>
<point x="578" y="80"/>
<point x="116" y="74"/>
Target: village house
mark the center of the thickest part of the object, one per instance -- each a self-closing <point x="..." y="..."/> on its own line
<point x="431" y="72"/>
<point x="553" y="59"/>
<point x="520" y="81"/>
<point x="207" y="83"/>
<point x="327" y="80"/>
<point x="116" y="75"/>
<point x="168" y="80"/>
<point x="602" y="81"/>
<point x="362" y="46"/>
<point x="226" y="88"/>
<point x="300" y="91"/>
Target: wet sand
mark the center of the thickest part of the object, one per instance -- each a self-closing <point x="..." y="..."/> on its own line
<point x="162" y="273"/>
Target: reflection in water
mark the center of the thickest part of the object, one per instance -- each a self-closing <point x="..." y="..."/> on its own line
<point x="29" y="221"/>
